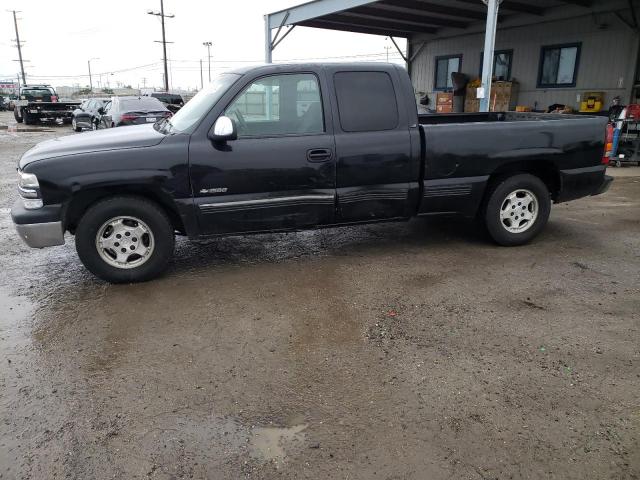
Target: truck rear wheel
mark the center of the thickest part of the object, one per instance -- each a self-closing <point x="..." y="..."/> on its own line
<point x="16" y="115"/>
<point x="29" y="119"/>
<point x="125" y="239"/>
<point x="517" y="209"/>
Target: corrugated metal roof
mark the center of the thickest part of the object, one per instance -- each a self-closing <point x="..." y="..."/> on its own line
<point x="403" y="18"/>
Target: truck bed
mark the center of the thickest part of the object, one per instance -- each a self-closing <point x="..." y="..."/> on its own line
<point x="462" y="150"/>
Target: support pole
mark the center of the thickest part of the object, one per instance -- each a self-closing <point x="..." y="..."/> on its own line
<point x="201" y="76"/>
<point x="90" y="80"/>
<point x="15" y="24"/>
<point x="489" y="48"/>
<point x="164" y="48"/>
<point x="267" y="40"/>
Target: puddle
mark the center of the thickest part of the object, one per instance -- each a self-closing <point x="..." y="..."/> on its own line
<point x="271" y="443"/>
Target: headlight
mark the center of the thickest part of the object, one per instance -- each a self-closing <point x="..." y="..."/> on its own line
<point x="29" y="190"/>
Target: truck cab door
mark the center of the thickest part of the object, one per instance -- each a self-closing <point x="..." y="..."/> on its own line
<point x="375" y="165"/>
<point x="279" y="174"/>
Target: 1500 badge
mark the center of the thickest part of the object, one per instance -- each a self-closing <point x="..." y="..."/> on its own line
<point x="214" y="190"/>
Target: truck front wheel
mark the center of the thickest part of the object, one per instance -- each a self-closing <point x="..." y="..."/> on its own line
<point x="16" y="115"/>
<point x="125" y="239"/>
<point x="517" y="209"/>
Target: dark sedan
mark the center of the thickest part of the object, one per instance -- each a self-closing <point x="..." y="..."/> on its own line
<point x="88" y="114"/>
<point x="133" y="111"/>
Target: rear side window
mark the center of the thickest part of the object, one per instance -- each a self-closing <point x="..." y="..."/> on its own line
<point x="145" y="103"/>
<point x="366" y="101"/>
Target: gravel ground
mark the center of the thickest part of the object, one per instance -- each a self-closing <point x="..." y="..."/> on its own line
<point x="394" y="351"/>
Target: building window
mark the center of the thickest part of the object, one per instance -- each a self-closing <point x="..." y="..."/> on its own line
<point x="559" y="66"/>
<point x="502" y="60"/>
<point x="445" y="66"/>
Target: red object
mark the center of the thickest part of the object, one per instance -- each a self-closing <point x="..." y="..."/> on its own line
<point x="54" y="99"/>
<point x="633" y="111"/>
<point x="608" y="145"/>
<point x="127" y="116"/>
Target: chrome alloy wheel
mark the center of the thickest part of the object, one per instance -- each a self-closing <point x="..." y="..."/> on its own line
<point x="125" y="242"/>
<point x="519" y="211"/>
<point x="74" y="125"/>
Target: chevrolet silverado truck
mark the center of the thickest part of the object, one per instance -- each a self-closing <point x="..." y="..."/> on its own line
<point x="38" y="103"/>
<point x="290" y="147"/>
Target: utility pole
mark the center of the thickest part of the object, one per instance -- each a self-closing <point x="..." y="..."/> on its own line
<point x="19" y="45"/>
<point x="201" y="77"/>
<point x="208" y="45"/>
<point x="90" y="79"/>
<point x="164" y="41"/>
<point x="387" y="48"/>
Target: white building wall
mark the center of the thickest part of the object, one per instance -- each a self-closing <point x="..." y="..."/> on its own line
<point x="607" y="59"/>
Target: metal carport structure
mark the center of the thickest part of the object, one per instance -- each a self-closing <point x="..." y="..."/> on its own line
<point x="406" y="18"/>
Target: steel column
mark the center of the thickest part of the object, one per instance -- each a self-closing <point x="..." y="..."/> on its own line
<point x="489" y="48"/>
<point x="267" y="40"/>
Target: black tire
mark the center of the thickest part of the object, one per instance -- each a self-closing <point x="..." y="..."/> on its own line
<point x="145" y="210"/>
<point x="28" y="118"/>
<point x="17" y="116"/>
<point x="502" y="230"/>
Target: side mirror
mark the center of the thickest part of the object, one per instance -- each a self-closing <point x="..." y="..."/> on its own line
<point x="223" y="130"/>
<point x="101" y="110"/>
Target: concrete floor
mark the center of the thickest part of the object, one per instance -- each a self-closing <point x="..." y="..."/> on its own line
<point x="395" y="351"/>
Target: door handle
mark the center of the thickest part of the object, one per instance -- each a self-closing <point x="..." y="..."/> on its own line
<point x="317" y="155"/>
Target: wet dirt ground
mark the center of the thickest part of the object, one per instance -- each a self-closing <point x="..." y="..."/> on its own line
<point x="394" y="351"/>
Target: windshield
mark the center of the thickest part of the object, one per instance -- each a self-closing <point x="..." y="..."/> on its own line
<point x="199" y="105"/>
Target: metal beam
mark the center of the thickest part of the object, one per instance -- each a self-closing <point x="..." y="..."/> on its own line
<point x="402" y="54"/>
<point x="277" y="42"/>
<point x="354" y="28"/>
<point x="415" y="53"/>
<point x="349" y="19"/>
<point x="377" y="20"/>
<point x="267" y="40"/>
<point x="489" y="48"/>
<point x="417" y="16"/>
<point x="313" y="10"/>
<point x="581" y="3"/>
<point x="435" y="8"/>
<point x="522" y="7"/>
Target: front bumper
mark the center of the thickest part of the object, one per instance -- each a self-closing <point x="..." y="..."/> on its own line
<point x="38" y="228"/>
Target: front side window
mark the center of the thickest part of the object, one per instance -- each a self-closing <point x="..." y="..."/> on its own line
<point x="279" y="105"/>
<point x="559" y="66"/>
<point x="445" y="66"/>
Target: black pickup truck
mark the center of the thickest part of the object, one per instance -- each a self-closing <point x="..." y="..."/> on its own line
<point x="41" y="103"/>
<point x="289" y="147"/>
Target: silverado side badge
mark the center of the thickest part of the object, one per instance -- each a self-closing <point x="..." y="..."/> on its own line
<point x="214" y="190"/>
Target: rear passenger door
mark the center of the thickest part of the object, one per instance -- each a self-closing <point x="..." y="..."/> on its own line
<point x="373" y="147"/>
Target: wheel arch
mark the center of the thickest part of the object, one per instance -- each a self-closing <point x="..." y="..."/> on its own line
<point x="544" y="170"/>
<point x="82" y="200"/>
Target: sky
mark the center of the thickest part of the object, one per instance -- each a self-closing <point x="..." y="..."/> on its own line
<point x="118" y="35"/>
